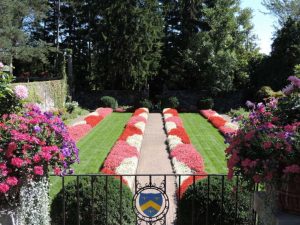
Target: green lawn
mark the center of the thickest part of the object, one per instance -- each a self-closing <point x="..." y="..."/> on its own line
<point x="95" y="146"/>
<point x="207" y="140"/>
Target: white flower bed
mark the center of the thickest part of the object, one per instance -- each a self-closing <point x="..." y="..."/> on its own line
<point x="135" y="141"/>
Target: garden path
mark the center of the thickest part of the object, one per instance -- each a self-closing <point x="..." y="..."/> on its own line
<point x="154" y="159"/>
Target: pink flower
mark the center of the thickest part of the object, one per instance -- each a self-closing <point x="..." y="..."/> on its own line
<point x="4" y="173"/>
<point x="4" y="188"/>
<point x="46" y="155"/>
<point x="21" y="91"/>
<point x="17" y="162"/>
<point x="267" y="145"/>
<point x="12" y="146"/>
<point x="36" y="158"/>
<point x="38" y="170"/>
<point x="295" y="81"/>
<point x="57" y="171"/>
<point x="288" y="89"/>
<point x="12" y="181"/>
<point x="1" y="65"/>
<point x="249" y="135"/>
<point x="2" y="166"/>
<point x="292" y="169"/>
<point x="256" y="178"/>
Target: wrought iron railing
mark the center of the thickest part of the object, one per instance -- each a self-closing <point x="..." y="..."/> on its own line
<point x="151" y="199"/>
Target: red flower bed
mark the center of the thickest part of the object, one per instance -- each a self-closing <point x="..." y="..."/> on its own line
<point x="138" y="112"/>
<point x="118" y="153"/>
<point x="171" y="111"/>
<point x="188" y="155"/>
<point x="217" y="121"/>
<point x="226" y="130"/>
<point x="78" y="131"/>
<point x="129" y="131"/>
<point x="180" y="132"/>
<point x="207" y="113"/>
<point x="135" y="119"/>
<point x="175" y="120"/>
<point x="93" y="120"/>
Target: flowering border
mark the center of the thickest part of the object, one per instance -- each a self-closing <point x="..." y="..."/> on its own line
<point x="83" y="127"/>
<point x="185" y="158"/>
<point x="219" y="122"/>
<point x="124" y="155"/>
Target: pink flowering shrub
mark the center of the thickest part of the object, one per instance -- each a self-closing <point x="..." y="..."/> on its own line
<point x="136" y="119"/>
<point x="226" y="130"/>
<point x="176" y="120"/>
<point x="31" y="143"/>
<point x="266" y="147"/>
<point x="79" y="131"/>
<point x="207" y="113"/>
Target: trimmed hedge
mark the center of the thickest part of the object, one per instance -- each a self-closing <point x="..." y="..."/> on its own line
<point x="214" y="207"/>
<point x="108" y="101"/>
<point x="145" y="103"/>
<point x="99" y="205"/>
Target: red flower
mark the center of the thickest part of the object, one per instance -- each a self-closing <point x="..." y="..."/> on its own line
<point x="187" y="183"/>
<point x="217" y="121"/>
<point x="93" y="120"/>
<point x="57" y="171"/>
<point x="17" y="162"/>
<point x="38" y="170"/>
<point x="12" y="146"/>
<point x="129" y="131"/>
<point x="139" y="111"/>
<point x="12" y="181"/>
<point x="181" y="133"/>
<point x="207" y="113"/>
<point x="4" y="188"/>
<point x="171" y="111"/>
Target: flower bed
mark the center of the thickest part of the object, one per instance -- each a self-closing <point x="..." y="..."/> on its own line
<point x="82" y="128"/>
<point x="123" y="157"/>
<point x="219" y="122"/>
<point x="185" y="158"/>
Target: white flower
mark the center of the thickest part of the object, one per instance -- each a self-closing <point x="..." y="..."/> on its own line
<point x="135" y="141"/>
<point x="170" y="126"/>
<point x="141" y="125"/>
<point x="79" y="123"/>
<point x="181" y="168"/>
<point x="165" y="109"/>
<point x="167" y="115"/>
<point x="231" y="125"/>
<point x="21" y="91"/>
<point x="146" y="109"/>
<point x="93" y="114"/>
<point x="128" y="166"/>
<point x="145" y="115"/>
<point x="173" y="141"/>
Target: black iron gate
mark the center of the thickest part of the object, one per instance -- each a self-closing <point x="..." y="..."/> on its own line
<point x="150" y="199"/>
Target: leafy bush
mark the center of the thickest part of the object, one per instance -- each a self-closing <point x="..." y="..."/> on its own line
<point x="99" y="204"/>
<point x="146" y="103"/>
<point x="207" y="103"/>
<point x="108" y="101"/>
<point x="267" y="92"/>
<point x="238" y="112"/>
<point x="71" y="106"/>
<point x="214" y="208"/>
<point x="171" y="102"/>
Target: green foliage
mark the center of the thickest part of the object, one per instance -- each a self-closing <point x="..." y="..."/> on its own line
<point x="297" y="71"/>
<point x="206" y="103"/>
<point x="267" y="92"/>
<point x="9" y="103"/>
<point x="99" y="204"/>
<point x="71" y="106"/>
<point x="146" y="103"/>
<point x="108" y="101"/>
<point x="233" y="113"/>
<point x="213" y="204"/>
<point x="171" y="102"/>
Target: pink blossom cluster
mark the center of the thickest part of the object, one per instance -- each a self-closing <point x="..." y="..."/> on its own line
<point x="266" y="147"/>
<point x="82" y="128"/>
<point x="21" y="91"/>
<point x="294" y="85"/>
<point x="123" y="157"/>
<point x="31" y="143"/>
<point x="219" y="122"/>
<point x="185" y="158"/>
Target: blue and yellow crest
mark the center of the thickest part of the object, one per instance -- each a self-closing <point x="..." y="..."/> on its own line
<point x="150" y="203"/>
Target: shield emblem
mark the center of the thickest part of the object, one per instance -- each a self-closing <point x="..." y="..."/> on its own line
<point x="150" y="203"/>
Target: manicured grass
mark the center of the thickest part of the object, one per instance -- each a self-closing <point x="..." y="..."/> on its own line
<point x="207" y="140"/>
<point x="94" y="147"/>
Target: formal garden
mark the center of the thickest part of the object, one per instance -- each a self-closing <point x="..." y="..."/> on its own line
<point x="148" y="112"/>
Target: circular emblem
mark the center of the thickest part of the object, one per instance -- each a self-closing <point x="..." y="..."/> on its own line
<point x="150" y="204"/>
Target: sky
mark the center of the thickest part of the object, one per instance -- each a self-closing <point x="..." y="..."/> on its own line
<point x="263" y="24"/>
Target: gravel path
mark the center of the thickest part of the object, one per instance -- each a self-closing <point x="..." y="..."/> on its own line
<point x="154" y="159"/>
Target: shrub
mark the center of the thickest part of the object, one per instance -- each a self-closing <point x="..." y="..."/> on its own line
<point x="71" y="106"/>
<point x="108" y="101"/>
<point x="171" y="102"/>
<point x="238" y="112"/>
<point x="99" y="206"/>
<point x="267" y="92"/>
<point x="214" y="208"/>
<point x="207" y="103"/>
<point x="146" y="103"/>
